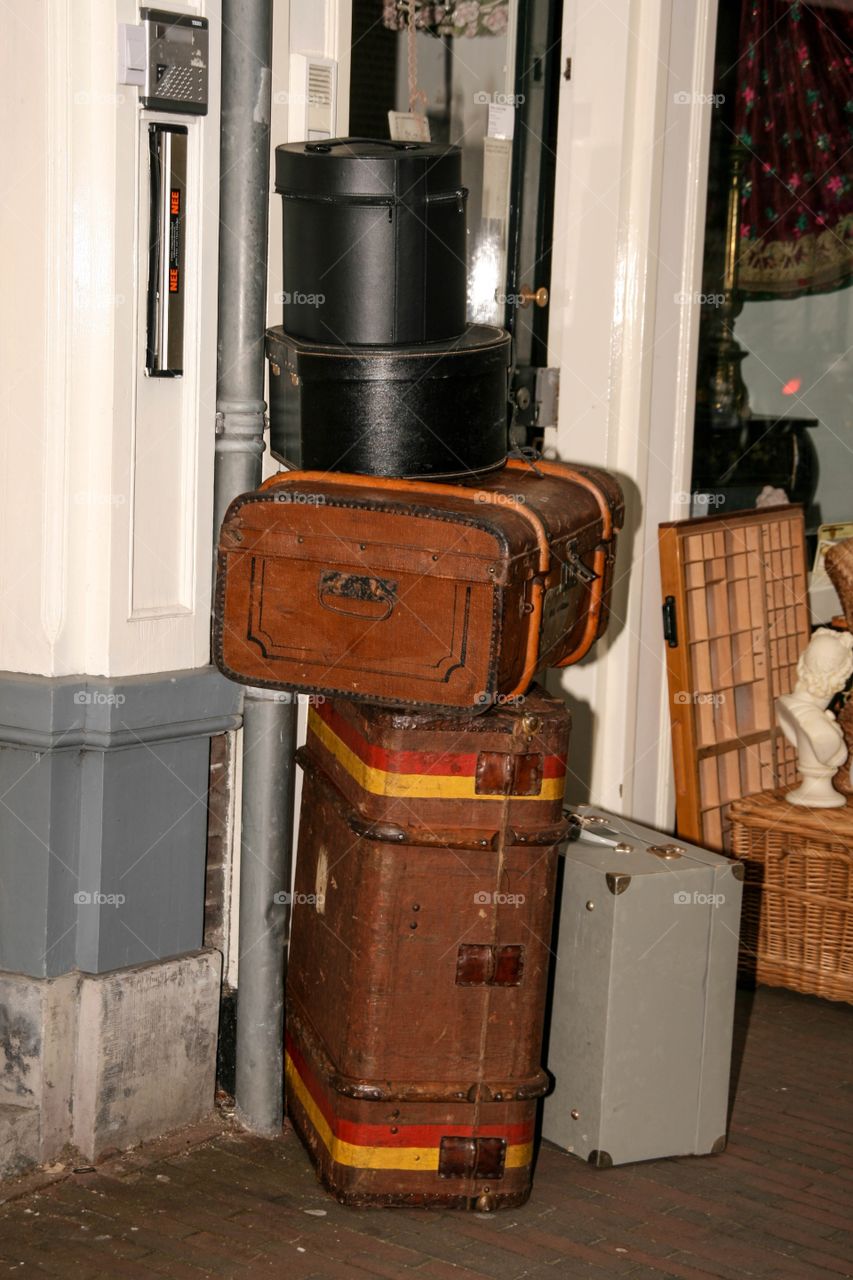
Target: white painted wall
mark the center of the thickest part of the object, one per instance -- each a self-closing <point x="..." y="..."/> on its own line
<point x="631" y="176"/>
<point x="300" y="26"/>
<point x="106" y="476"/>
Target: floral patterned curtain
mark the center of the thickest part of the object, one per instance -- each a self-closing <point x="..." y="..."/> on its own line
<point x="794" y="114"/>
<point x="463" y="18"/>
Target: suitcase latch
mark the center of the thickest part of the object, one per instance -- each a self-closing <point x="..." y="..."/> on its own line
<point x="481" y="965"/>
<point x="574" y="569"/>
<point x="667" y="850"/>
<point x="472" y="1157"/>
<point x="500" y="774"/>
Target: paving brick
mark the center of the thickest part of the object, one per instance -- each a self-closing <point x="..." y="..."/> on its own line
<point x="223" y="1204"/>
<point x="438" y="1269"/>
<point x="822" y="1263"/>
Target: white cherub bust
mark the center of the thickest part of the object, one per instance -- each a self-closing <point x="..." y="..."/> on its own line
<point x="824" y="668"/>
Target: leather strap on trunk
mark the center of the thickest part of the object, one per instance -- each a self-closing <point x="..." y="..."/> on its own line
<point x="598" y="586"/>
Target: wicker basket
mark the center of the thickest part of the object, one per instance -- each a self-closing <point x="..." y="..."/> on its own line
<point x="797" y="923"/>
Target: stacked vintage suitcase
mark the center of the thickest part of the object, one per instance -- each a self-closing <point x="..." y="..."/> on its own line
<point x="421" y="610"/>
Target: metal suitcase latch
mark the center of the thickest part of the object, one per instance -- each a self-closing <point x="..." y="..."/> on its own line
<point x="481" y="965"/>
<point x="667" y="850"/>
<point x="471" y="1157"/>
<point x="574" y="569"/>
<point x="500" y="774"/>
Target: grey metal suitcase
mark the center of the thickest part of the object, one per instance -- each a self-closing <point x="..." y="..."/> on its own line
<point x="644" y="988"/>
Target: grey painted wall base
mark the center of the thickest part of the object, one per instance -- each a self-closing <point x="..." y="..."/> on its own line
<point x="103" y="816"/>
<point x="95" y="1062"/>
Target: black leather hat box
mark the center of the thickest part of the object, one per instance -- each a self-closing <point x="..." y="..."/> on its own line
<point x="374" y="241"/>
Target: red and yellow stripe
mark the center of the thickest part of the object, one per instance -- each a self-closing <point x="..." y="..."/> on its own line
<point x="430" y="775"/>
<point x="374" y="1146"/>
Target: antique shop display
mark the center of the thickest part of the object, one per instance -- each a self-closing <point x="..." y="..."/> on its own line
<point x="427" y="885"/>
<point x="644" y="987"/>
<point x="788" y="116"/>
<point x="417" y="611"/>
<point x="736" y="451"/>
<point x="410" y="593"/>
<point x="822" y="671"/>
<point x="797" y="927"/>
<point x="735" y="623"/>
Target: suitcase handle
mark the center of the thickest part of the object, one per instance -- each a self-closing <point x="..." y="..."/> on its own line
<point x="328" y="143"/>
<point x="596" y="591"/>
<point x="598" y="829"/>
<point x="428" y="489"/>
<point x="337" y="590"/>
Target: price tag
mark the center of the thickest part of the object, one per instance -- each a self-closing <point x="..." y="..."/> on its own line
<point x="501" y="120"/>
<point x="408" y="126"/>
<point x="497" y="155"/>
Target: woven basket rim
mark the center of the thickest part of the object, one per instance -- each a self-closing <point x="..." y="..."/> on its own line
<point x="770" y="810"/>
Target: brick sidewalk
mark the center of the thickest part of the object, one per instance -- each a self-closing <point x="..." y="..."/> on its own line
<point x="776" y="1205"/>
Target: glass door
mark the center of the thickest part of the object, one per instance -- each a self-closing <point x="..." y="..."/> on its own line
<point x="485" y="75"/>
<point x="773" y="416"/>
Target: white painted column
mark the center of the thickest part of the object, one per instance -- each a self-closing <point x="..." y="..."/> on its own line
<point x="106" y="477"/>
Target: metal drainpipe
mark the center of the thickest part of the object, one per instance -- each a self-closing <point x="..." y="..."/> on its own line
<point x="269" y="719"/>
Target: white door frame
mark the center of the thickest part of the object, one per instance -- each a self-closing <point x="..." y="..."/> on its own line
<point x="632" y="157"/>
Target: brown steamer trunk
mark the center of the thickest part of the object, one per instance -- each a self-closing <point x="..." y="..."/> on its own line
<point x="407" y="593"/>
<point x="417" y="972"/>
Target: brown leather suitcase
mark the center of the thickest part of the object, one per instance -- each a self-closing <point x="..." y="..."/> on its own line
<point x="429" y="772"/>
<point x="412" y="593"/>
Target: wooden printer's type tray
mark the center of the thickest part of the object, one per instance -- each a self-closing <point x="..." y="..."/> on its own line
<point x="735" y="622"/>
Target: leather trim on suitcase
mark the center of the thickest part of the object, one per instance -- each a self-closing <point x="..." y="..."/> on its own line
<point x="611" y="520"/>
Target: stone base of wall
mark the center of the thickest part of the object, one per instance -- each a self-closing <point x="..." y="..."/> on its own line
<point x="97" y="1062"/>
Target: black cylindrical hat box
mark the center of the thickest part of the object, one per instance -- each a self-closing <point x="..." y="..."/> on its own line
<point x="374" y="241"/>
<point x="433" y="411"/>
